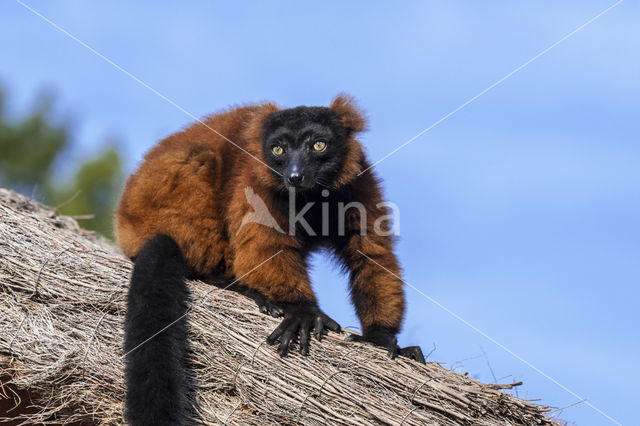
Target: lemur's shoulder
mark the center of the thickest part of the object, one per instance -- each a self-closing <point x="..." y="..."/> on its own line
<point x="184" y="183"/>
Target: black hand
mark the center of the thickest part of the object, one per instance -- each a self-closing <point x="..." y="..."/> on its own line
<point x="412" y="352"/>
<point x="300" y="319"/>
<point x="386" y="338"/>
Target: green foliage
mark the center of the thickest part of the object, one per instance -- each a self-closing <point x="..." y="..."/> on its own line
<point x="30" y="151"/>
<point x="28" y="148"/>
<point x="92" y="193"/>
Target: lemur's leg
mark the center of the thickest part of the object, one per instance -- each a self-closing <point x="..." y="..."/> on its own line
<point x="376" y="288"/>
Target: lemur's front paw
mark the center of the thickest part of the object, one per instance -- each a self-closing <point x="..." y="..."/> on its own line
<point x="386" y="338"/>
<point x="300" y="320"/>
<point x="412" y="352"/>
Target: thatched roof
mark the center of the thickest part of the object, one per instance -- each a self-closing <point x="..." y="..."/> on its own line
<point x="61" y="314"/>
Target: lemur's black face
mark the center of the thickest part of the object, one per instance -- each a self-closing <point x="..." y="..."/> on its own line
<point x="305" y="145"/>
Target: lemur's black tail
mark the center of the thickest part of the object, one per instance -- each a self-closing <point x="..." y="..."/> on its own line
<point x="156" y="336"/>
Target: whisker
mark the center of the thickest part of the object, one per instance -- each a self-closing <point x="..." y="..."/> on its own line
<point x="319" y="182"/>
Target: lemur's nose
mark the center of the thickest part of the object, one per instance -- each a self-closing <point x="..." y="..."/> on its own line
<point x="294" y="170"/>
<point x="295" y="178"/>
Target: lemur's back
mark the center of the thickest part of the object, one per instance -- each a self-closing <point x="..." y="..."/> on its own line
<point x="183" y="188"/>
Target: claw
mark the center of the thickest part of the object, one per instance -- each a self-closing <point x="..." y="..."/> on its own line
<point x="392" y="350"/>
<point x="304" y="338"/>
<point x="330" y="324"/>
<point x="273" y="337"/>
<point x="286" y="338"/>
<point x="353" y="338"/>
<point x="318" y="328"/>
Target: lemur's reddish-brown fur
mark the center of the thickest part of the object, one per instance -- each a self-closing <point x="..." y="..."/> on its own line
<point x="191" y="187"/>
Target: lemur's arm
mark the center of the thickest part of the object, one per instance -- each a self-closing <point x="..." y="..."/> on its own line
<point x="282" y="277"/>
<point x="272" y="263"/>
<point x="376" y="287"/>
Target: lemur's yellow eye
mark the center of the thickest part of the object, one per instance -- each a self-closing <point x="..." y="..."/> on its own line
<point x="320" y="145"/>
<point x="277" y="150"/>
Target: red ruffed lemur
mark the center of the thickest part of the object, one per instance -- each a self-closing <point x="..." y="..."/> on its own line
<point x="184" y="213"/>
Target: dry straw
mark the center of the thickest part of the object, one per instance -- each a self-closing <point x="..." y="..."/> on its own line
<point x="61" y="314"/>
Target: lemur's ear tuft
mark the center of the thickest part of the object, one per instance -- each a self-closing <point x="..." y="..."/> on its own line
<point x="350" y="115"/>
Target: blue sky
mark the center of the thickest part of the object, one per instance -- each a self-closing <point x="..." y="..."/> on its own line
<point x="520" y="213"/>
